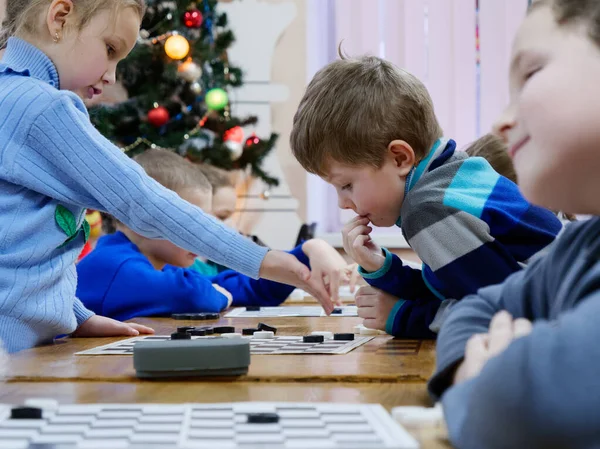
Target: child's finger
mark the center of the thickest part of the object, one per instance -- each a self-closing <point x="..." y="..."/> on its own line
<point x="357" y="232"/>
<point x="367" y="313"/>
<point x="476" y="354"/>
<point x="360" y="242"/>
<point x="373" y="323"/>
<point x="334" y="286"/>
<point x="354" y="278"/>
<point x="141" y="328"/>
<point x="366" y="290"/>
<point x="365" y="301"/>
<point x="501" y="333"/>
<point x="316" y="287"/>
<point x="521" y="327"/>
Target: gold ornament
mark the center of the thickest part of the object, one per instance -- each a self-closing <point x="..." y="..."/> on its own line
<point x="177" y="47"/>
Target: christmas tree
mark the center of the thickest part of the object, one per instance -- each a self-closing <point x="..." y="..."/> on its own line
<point x="178" y="80"/>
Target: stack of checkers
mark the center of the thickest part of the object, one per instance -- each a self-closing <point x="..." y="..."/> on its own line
<point x="186" y="332"/>
<point x="261" y="331"/>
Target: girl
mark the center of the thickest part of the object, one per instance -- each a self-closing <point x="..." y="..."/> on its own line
<point x="503" y="381"/>
<point x="54" y="165"/>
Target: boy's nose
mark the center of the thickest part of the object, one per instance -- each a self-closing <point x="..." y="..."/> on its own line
<point x="345" y="203"/>
<point x="505" y="123"/>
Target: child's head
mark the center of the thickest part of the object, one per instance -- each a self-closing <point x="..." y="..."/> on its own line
<point x="493" y="149"/>
<point x="551" y="125"/>
<point x="85" y="39"/>
<point x="224" y="196"/>
<point x="362" y="125"/>
<point x="177" y="174"/>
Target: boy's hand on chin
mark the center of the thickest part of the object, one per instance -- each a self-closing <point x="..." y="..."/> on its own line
<point x="359" y="246"/>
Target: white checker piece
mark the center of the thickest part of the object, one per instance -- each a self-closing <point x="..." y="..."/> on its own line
<point x="209" y="426"/>
<point x="291" y="344"/>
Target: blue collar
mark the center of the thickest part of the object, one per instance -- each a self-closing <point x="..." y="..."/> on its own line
<point x="417" y="171"/>
<point x="23" y="58"/>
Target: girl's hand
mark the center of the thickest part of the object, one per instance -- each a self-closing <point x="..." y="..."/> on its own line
<point x="327" y="264"/>
<point x="101" y="326"/>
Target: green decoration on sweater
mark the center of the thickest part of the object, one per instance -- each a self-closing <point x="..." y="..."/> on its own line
<point x="66" y="221"/>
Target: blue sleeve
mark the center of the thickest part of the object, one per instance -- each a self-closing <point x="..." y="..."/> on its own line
<point x="417" y="304"/>
<point x="520" y="294"/>
<point x="541" y="392"/>
<point x="139" y="290"/>
<point x="396" y="279"/>
<point x="82" y="314"/>
<point x="247" y="291"/>
<point x="66" y="158"/>
<point x="411" y="318"/>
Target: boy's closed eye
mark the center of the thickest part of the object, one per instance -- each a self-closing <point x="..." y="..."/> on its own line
<point x="347" y="186"/>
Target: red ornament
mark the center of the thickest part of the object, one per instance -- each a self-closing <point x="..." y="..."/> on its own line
<point x="192" y="18"/>
<point x="158" y="116"/>
<point x="235" y="134"/>
<point x="252" y="140"/>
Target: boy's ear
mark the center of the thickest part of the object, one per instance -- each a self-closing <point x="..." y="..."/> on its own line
<point x="403" y="155"/>
<point x="58" y="12"/>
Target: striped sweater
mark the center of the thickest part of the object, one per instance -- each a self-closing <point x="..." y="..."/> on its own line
<point x="53" y="165"/>
<point x="471" y="228"/>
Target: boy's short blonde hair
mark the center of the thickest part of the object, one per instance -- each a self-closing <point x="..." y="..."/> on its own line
<point x="172" y="171"/>
<point x="354" y="107"/>
<point x="217" y="177"/>
<point x="495" y="151"/>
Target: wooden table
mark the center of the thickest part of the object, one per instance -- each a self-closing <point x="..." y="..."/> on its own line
<point x="383" y="359"/>
<point x="388" y="395"/>
<point x="386" y="371"/>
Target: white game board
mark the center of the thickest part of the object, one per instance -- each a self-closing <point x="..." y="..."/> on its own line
<point x="275" y="312"/>
<point x="205" y="426"/>
<point x="290" y="344"/>
<point x="299" y="295"/>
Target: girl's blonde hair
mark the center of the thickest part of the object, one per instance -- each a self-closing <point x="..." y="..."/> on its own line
<point x="22" y="16"/>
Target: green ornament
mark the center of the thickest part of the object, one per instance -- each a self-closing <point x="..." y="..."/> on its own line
<point x="216" y="99"/>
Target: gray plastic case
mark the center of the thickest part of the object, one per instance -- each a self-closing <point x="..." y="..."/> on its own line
<point x="199" y="357"/>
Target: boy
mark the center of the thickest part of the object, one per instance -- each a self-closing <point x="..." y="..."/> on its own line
<point x="129" y="275"/>
<point x="224" y="199"/>
<point x="505" y="383"/>
<point x="369" y="129"/>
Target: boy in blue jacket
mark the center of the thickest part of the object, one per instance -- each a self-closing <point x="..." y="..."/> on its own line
<point x="128" y="275"/>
